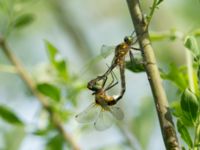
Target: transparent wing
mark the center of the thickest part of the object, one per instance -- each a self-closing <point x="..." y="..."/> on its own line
<point x="107" y="50"/>
<point x="117" y="112"/>
<point x="89" y="114"/>
<point x="104" y="120"/>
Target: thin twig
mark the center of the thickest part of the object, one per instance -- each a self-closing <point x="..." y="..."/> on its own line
<point x="160" y="99"/>
<point x="153" y="7"/>
<point x="41" y="98"/>
<point x="7" y="69"/>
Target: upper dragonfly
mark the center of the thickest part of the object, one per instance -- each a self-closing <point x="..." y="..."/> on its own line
<point x="121" y="50"/>
<point x="102" y="111"/>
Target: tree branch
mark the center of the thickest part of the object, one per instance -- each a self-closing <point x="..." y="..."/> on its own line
<point x="41" y="98"/>
<point x="160" y="99"/>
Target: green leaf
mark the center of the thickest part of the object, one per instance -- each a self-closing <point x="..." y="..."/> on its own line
<point x="23" y="20"/>
<point x="9" y="116"/>
<point x="55" y="143"/>
<point x="184" y="133"/>
<point x="135" y="67"/>
<point x="177" y="76"/>
<point x="176" y="108"/>
<point x="52" y="51"/>
<point x="56" y="60"/>
<point x="178" y="112"/>
<point x="191" y="44"/>
<point x="197" y="134"/>
<point x="49" y="90"/>
<point x="160" y="1"/>
<point x="189" y="104"/>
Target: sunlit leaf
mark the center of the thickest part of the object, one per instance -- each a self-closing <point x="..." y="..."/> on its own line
<point x="9" y="116"/>
<point x="184" y="133"/>
<point x="23" y="20"/>
<point x="56" y="60"/>
<point x="52" y="51"/>
<point x="177" y="76"/>
<point x="189" y="104"/>
<point x="178" y="112"/>
<point x="197" y="132"/>
<point x="191" y="44"/>
<point x="49" y="90"/>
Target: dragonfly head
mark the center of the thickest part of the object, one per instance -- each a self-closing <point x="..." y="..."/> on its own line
<point x="94" y="86"/>
<point x="128" y="40"/>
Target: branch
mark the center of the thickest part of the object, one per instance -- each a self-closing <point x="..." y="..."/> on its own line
<point x="160" y="99"/>
<point x="41" y="98"/>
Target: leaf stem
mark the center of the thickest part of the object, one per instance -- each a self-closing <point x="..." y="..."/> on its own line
<point x="153" y="7"/>
<point x="41" y="98"/>
<point x="161" y="103"/>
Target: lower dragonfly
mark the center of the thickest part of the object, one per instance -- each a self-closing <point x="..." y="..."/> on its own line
<point x="102" y="111"/>
<point x="121" y="50"/>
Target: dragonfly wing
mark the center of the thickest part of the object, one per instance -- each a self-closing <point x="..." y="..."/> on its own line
<point x="104" y="120"/>
<point x="117" y="112"/>
<point x="107" y="50"/>
<point x="89" y="114"/>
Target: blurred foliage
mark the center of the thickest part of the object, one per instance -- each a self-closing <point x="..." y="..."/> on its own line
<point x="63" y="87"/>
<point x="9" y="116"/>
<point x="141" y="120"/>
<point x="12" y="142"/>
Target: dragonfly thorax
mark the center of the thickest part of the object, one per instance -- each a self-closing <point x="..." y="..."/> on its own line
<point x="104" y="100"/>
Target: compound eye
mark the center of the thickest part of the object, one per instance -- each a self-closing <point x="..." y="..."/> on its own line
<point x="126" y="39"/>
<point x="93" y="86"/>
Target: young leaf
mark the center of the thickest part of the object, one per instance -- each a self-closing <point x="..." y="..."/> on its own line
<point x="177" y="76"/>
<point x="52" y="51"/>
<point x="160" y="1"/>
<point x="191" y="44"/>
<point x="135" y="67"/>
<point x="9" y="116"/>
<point x="49" y="90"/>
<point x="23" y="20"/>
<point x="56" y="60"/>
<point x="184" y="133"/>
<point x="189" y="104"/>
<point x="178" y="112"/>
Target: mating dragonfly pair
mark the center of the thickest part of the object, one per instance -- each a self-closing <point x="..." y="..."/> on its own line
<point x="103" y="110"/>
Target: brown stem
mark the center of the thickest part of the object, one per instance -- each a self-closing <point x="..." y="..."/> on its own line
<point x="160" y="99"/>
<point x="41" y="98"/>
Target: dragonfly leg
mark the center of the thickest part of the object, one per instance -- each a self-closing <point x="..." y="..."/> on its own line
<point x="134" y="48"/>
<point x="104" y="81"/>
<point x="132" y="58"/>
<point x="113" y="65"/>
<point x="111" y="83"/>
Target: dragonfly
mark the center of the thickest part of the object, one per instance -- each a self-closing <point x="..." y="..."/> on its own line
<point x="102" y="111"/>
<point x="121" y="50"/>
